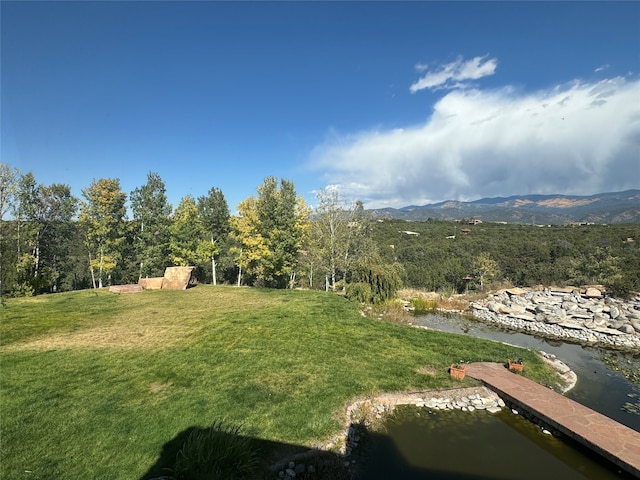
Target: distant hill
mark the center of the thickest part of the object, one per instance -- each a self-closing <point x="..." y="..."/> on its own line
<point x="615" y="207"/>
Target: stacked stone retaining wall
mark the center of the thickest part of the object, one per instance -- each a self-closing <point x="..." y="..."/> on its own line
<point x="570" y="314"/>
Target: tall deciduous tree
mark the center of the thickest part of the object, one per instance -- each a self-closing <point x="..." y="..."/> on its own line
<point x="214" y="214"/>
<point x="45" y="213"/>
<point x="485" y="269"/>
<point x="186" y="245"/>
<point x="252" y="245"/>
<point x="303" y="227"/>
<point x="359" y="245"/>
<point x="271" y="229"/>
<point x="330" y="233"/>
<point x="102" y="218"/>
<point x="281" y="220"/>
<point x="9" y="185"/>
<point x="341" y="234"/>
<point x="151" y="216"/>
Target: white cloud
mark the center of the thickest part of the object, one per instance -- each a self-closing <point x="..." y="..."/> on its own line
<point x="601" y="68"/>
<point x="454" y="74"/>
<point x="579" y="138"/>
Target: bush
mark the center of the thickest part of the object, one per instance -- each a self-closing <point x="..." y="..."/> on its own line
<point x="383" y="281"/>
<point x="359" y="292"/>
<point x="23" y="289"/>
<point x="619" y="287"/>
<point x="216" y="453"/>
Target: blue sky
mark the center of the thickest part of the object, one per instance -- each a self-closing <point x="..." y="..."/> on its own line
<point x="393" y="103"/>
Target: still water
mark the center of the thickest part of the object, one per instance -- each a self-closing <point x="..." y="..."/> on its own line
<point x="419" y="444"/>
<point x="599" y="388"/>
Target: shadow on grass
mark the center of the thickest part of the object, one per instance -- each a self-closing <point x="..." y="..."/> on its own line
<point x="273" y="457"/>
<point x="224" y="460"/>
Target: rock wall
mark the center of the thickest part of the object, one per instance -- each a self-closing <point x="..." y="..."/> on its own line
<point x="571" y="314"/>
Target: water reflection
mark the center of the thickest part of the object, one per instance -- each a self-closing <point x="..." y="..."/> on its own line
<point x="463" y="445"/>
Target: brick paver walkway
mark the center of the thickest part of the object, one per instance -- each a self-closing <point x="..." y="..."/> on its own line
<point x="616" y="442"/>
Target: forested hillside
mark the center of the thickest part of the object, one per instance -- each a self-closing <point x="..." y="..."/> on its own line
<point x="438" y="255"/>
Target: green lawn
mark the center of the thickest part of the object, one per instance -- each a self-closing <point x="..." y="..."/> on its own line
<point x="94" y="385"/>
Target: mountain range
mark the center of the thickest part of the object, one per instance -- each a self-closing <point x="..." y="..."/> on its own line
<point x="613" y="207"/>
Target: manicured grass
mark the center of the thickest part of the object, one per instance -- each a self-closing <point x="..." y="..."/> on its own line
<point x="93" y="385"/>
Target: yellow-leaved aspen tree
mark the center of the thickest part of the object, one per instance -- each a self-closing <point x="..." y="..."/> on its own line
<point x="102" y="217"/>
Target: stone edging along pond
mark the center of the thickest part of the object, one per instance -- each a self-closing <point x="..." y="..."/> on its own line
<point x="579" y="315"/>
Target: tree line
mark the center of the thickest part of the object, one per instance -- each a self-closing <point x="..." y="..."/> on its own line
<point x="51" y="241"/>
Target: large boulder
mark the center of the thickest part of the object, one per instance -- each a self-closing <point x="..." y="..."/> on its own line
<point x="177" y="278"/>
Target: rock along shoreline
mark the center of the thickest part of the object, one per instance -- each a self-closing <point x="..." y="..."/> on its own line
<point x="571" y="314"/>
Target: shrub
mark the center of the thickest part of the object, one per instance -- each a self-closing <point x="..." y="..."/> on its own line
<point x="23" y="289"/>
<point x="619" y="287"/>
<point x="216" y="452"/>
<point x="383" y="281"/>
<point x="360" y="292"/>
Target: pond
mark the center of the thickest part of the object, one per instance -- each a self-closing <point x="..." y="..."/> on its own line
<point x="599" y="387"/>
<point x="419" y="444"/>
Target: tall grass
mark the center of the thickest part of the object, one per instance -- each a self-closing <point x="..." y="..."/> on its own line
<point x="97" y="385"/>
<point x="217" y="452"/>
<point x="422" y="306"/>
